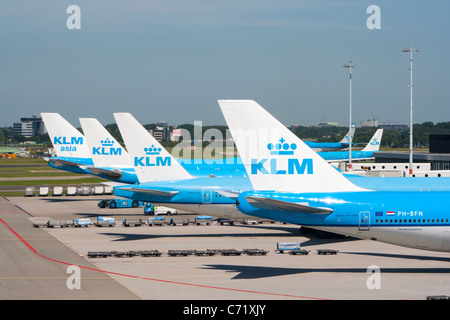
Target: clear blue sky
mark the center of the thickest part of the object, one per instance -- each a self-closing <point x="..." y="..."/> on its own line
<point x="172" y="60"/>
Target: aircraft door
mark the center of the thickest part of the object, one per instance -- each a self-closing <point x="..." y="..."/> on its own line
<point x="206" y="195"/>
<point x="364" y="221"/>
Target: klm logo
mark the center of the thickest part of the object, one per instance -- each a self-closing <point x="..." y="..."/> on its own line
<point x="278" y="165"/>
<point x="107" y="149"/>
<point x="67" y="140"/>
<point x="154" y="161"/>
<point x="374" y="142"/>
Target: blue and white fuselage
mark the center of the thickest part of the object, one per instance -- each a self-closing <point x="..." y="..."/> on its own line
<point x="295" y="185"/>
<point x="421" y="222"/>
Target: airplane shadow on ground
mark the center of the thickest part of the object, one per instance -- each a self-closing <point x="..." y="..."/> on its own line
<point x="278" y="231"/>
<point x="257" y="272"/>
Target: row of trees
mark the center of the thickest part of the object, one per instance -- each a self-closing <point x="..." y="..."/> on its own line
<point x="391" y="138"/>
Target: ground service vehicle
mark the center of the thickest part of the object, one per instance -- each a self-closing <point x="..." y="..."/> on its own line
<point x="119" y="203"/>
<point x="151" y="209"/>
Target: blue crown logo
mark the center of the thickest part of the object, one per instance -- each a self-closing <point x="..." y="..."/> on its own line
<point x="152" y="150"/>
<point x="107" y="142"/>
<point x="282" y="148"/>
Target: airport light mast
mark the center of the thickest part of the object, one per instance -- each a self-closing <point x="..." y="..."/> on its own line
<point x="411" y="50"/>
<point x="350" y="66"/>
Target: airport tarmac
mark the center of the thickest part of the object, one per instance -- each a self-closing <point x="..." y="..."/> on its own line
<point x="34" y="261"/>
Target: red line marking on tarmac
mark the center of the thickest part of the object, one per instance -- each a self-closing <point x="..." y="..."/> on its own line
<point x="151" y="279"/>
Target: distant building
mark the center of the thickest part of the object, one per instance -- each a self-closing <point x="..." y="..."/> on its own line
<point x="398" y="127"/>
<point x="438" y="157"/>
<point x="161" y="132"/>
<point x="439" y="143"/>
<point x="29" y="127"/>
<point x="328" y="124"/>
<point x="176" y="134"/>
<point x="373" y="123"/>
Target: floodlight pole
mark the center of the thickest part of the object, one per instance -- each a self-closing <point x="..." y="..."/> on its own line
<point x="411" y="50"/>
<point x="350" y="66"/>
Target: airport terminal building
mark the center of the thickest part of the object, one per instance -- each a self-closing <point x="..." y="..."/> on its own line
<point x="438" y="156"/>
<point x="29" y="127"/>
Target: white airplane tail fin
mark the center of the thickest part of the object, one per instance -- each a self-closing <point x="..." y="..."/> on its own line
<point x="106" y="151"/>
<point x="274" y="157"/>
<point x="349" y="134"/>
<point x="374" y="143"/>
<point x="66" y="139"/>
<point x="151" y="161"/>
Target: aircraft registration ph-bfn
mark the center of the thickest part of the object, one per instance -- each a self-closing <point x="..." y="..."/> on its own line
<point x="293" y="184"/>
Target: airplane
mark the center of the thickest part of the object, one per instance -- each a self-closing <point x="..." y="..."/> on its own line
<point x="332" y="146"/>
<point x="162" y="180"/>
<point x="293" y="184"/>
<point x="367" y="153"/>
<point x="74" y="155"/>
<point x="85" y="154"/>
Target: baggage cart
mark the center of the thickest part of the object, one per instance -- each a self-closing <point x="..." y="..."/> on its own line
<point x="207" y="220"/>
<point x="230" y="252"/>
<point x="156" y="221"/>
<point x="299" y="252"/>
<point x="204" y="253"/>
<point x="287" y="246"/>
<point x="43" y="191"/>
<point x="105" y="221"/>
<point x="98" y="254"/>
<point x="71" y="191"/>
<point x="327" y="251"/>
<point x="177" y="253"/>
<point x="150" y="253"/>
<point x="57" y="191"/>
<point x="121" y="254"/>
<point x="98" y="190"/>
<point x="85" y="222"/>
<point x="29" y="192"/>
<point x="183" y="222"/>
<point x="109" y="189"/>
<point x="132" y="223"/>
<point x="255" y="252"/>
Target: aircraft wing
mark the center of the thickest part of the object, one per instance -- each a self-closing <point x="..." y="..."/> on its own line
<point x="228" y="194"/>
<point x="114" y="174"/>
<point x="63" y="163"/>
<point x="153" y="192"/>
<point x="285" y="206"/>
